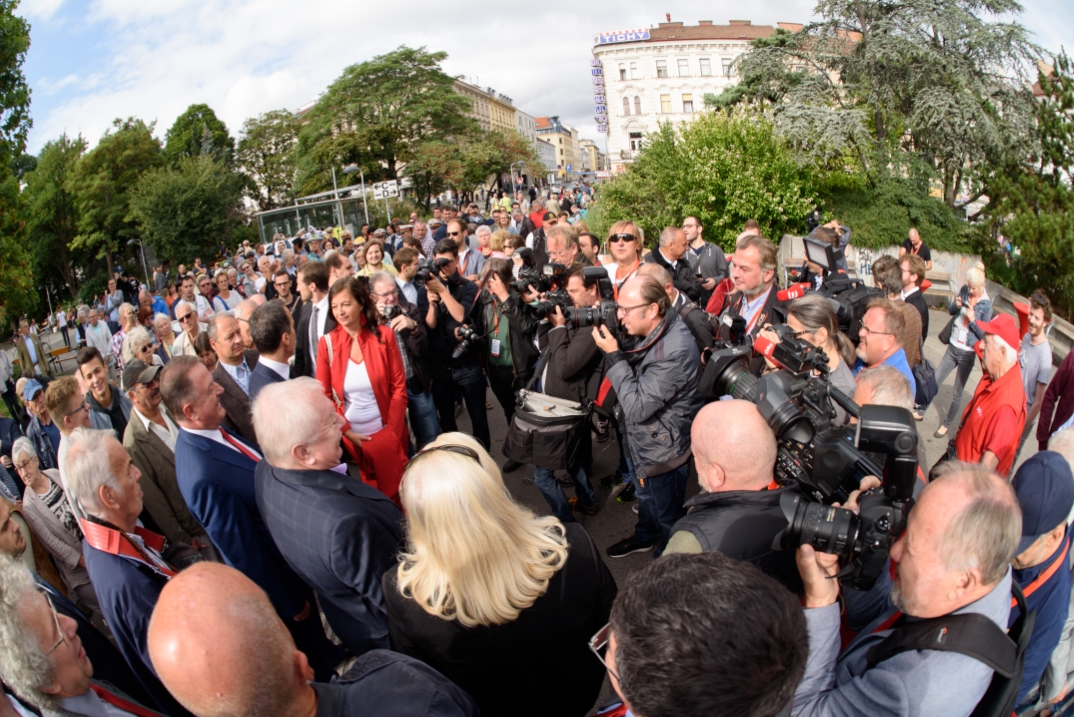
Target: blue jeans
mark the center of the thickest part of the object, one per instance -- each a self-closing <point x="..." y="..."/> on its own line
<point x="626" y="466"/>
<point x="546" y="482"/>
<point x="422" y="411"/>
<point x="660" y="505"/>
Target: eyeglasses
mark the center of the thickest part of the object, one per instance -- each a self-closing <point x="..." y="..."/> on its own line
<point x="870" y="332"/>
<point x="599" y="643"/>
<point x="622" y="237"/>
<point x="184" y="317"/>
<point x="20" y="467"/>
<point x="627" y="309"/>
<point x="83" y="407"/>
<point x="453" y="234"/>
<point x="56" y="620"/>
<point x="386" y="294"/>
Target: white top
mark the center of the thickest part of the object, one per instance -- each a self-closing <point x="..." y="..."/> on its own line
<point x="229" y="303"/>
<point x="61" y="318"/>
<point x="362" y="410"/>
<point x="17" y="706"/>
<point x="205" y="309"/>
<point x="167" y="435"/>
<point x="100" y="338"/>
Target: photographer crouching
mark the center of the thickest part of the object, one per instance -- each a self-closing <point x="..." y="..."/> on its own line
<point x="655" y="377"/>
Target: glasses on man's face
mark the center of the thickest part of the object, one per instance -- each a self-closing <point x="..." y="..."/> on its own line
<point x="870" y="332"/>
<point x="615" y="238"/>
<point x="184" y="318"/>
<point x="386" y="295"/>
<point x="282" y="284"/>
<point x="627" y="309"/>
<point x="83" y="407"/>
<point x="453" y="234"/>
<point x="599" y="645"/>
<point x="61" y="638"/>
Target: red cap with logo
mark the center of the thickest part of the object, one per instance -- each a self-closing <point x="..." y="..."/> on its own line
<point x="1003" y="326"/>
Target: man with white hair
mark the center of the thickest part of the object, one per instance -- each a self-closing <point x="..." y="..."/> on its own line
<point x="124" y="560"/>
<point x="670" y="255"/>
<point x="993" y="421"/>
<point x="186" y="313"/>
<point x="883" y="386"/>
<point x="346" y="534"/>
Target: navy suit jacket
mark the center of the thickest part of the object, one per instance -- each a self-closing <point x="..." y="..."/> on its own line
<point x="128" y="591"/>
<point x="261" y="377"/>
<point x="217" y="483"/>
<point x="340" y="536"/>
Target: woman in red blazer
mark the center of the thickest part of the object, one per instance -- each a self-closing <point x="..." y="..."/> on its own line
<point x="361" y="370"/>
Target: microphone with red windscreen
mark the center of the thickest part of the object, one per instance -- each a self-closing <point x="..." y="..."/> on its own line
<point x="794" y="291"/>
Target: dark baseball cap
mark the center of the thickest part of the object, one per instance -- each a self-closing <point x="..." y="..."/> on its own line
<point x="137" y="371"/>
<point x="1045" y="489"/>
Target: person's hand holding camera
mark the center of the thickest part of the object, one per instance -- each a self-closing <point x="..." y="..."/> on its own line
<point x="556" y="318"/>
<point x="402" y="322"/>
<point x="433" y="285"/>
<point x="604" y="339"/>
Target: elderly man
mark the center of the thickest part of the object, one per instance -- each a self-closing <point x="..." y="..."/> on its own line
<point x="234" y="368"/>
<point x="993" y="421"/>
<point x="242" y="315"/>
<point x="33" y="358"/>
<point x="42" y="430"/>
<point x="150" y="440"/>
<point x="215" y="471"/>
<point x="221" y="650"/>
<point x="124" y="560"/>
<point x="347" y="534"/>
<point x="737" y="512"/>
<point x="953" y="558"/>
<point x="204" y="297"/>
<point x="882" y="328"/>
<point x="273" y="331"/>
<point x="562" y="244"/>
<point x="671" y="255"/>
<point x="43" y="660"/>
<point x="755" y="298"/>
<point x="423" y="235"/>
<point x="187" y="316"/>
<point x="99" y="337"/>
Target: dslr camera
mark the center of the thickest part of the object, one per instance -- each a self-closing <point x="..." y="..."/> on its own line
<point x="605" y="313"/>
<point x="428" y="269"/>
<point x="467" y="336"/>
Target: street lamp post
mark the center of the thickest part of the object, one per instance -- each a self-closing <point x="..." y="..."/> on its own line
<point x="351" y="169"/>
<point x="141" y="253"/>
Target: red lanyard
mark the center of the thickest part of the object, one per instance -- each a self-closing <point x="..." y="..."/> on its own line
<point x="633" y="270"/>
<point x="1061" y="561"/>
<point x="111" y="541"/>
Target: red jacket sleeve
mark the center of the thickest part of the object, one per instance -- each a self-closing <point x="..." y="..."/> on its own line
<point x="397" y="378"/>
<point x="324" y="368"/>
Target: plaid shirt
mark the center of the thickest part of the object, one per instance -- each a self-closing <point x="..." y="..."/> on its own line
<point x="408" y="368"/>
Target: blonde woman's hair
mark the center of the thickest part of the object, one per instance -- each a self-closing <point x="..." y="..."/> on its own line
<point x="498" y="239"/>
<point x="473" y="554"/>
<point x="975" y="277"/>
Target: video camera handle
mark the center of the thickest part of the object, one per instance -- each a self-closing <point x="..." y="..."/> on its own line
<point x="845" y="402"/>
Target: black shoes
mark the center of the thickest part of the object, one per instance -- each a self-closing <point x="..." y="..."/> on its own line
<point x="511" y="466"/>
<point x="626" y="547"/>
<point x="626" y="495"/>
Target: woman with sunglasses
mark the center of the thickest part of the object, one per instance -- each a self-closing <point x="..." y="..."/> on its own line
<point x="496" y="600"/>
<point x="361" y="369"/>
<point x="625" y="241"/>
<point x="142" y="345"/>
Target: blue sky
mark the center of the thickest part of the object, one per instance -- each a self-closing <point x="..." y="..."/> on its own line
<point x="92" y="61"/>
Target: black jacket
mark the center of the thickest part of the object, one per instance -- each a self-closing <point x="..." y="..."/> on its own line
<point x="742" y="524"/>
<point x="522" y="324"/>
<point x="442" y="341"/>
<point x="917" y="300"/>
<point x="574" y="363"/>
<point x="696" y="319"/>
<point x="773" y="311"/>
<point x="682" y="276"/>
<point x="416" y="341"/>
<point x="305" y="364"/>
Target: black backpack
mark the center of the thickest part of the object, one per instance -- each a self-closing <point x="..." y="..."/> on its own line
<point x="978" y="637"/>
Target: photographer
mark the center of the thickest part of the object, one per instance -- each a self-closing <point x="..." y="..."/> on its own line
<point x="670" y="255"/>
<point x="410" y="333"/>
<point x="953" y="558"/>
<point x="655" y="382"/>
<point x="570" y="368"/>
<point x="502" y="317"/>
<point x="737" y="512"/>
<point x="692" y="315"/>
<point x="444" y="304"/>
<point x="838" y="236"/>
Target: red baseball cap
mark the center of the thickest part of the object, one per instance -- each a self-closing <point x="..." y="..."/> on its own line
<point x="1003" y="326"/>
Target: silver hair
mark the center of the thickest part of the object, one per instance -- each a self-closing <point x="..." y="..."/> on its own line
<point x="24" y="667"/>
<point x="890" y="387"/>
<point x="187" y="303"/>
<point x="1009" y="353"/>
<point x="668" y="235"/>
<point x="23" y="445"/>
<point x="214" y="329"/>
<point x="380" y="276"/>
<point x="158" y="317"/>
<point x="135" y="339"/>
<point x="483" y="229"/>
<point x="278" y="431"/>
<point x="88" y="468"/>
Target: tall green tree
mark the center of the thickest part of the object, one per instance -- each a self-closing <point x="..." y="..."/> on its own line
<point x="103" y="181"/>
<point x="266" y="156"/>
<point x="188" y="210"/>
<point x="377" y="113"/>
<point x="197" y="132"/>
<point x="52" y="214"/>
<point x="912" y="88"/>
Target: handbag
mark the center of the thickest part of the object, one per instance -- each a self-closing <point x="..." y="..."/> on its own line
<point x="924" y="379"/>
<point x="945" y="333"/>
<point x="548" y="432"/>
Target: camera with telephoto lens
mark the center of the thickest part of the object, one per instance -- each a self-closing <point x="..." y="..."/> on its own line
<point x="467" y="336"/>
<point x="814" y="220"/>
<point x="428" y="269"/>
<point x="552" y="284"/>
<point x="605" y="313"/>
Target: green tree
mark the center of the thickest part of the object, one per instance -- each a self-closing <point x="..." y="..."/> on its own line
<point x="723" y="168"/>
<point x="103" y="181"/>
<point x="188" y="210"/>
<point x="197" y="132"/>
<point x="377" y="113"/>
<point x="928" y="90"/>
<point x="52" y="214"/>
<point x="266" y="155"/>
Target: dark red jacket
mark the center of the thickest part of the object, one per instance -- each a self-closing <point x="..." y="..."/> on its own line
<point x="1060" y="391"/>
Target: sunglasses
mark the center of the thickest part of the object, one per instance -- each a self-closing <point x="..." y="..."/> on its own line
<point x="184" y="318"/>
<point x="622" y="237"/>
<point x="453" y="234"/>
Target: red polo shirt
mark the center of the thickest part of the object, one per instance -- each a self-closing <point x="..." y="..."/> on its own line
<point x="993" y="420"/>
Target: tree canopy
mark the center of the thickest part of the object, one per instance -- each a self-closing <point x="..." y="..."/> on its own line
<point x="198" y="132"/>
<point x="266" y="155"/>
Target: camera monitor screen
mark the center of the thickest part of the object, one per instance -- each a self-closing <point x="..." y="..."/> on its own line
<point x="821" y="253"/>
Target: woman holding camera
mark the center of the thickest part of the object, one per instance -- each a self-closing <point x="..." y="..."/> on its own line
<point x="361" y="369"/>
<point x="494" y="600"/>
<point x="970" y="306"/>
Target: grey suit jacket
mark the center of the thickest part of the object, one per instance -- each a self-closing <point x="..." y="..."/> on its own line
<point x="63" y="545"/>
<point x="235" y="401"/>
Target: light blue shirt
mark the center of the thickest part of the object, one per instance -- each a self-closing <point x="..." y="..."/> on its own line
<point x="240" y="373"/>
<point x="409" y="290"/>
<point x="29" y="341"/>
<point x="750" y="308"/>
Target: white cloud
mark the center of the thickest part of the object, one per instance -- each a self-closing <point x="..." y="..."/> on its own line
<point x="39" y="9"/>
<point x="52" y="87"/>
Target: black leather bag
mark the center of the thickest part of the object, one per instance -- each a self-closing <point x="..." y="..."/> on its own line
<point x="945" y="333"/>
<point x="548" y="432"/>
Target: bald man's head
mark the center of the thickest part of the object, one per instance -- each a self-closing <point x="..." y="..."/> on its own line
<point x="734" y="448"/>
<point x="219" y="647"/>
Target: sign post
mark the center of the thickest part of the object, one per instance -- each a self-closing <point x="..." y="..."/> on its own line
<point x="383" y="190"/>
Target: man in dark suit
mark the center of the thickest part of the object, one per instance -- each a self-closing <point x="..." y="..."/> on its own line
<point x="670" y="255"/>
<point x="234" y="368"/>
<point x="313" y="286"/>
<point x="273" y="332"/>
<point x="124" y="561"/>
<point x="913" y="275"/>
<point x="339" y="534"/>
<point x="220" y="649"/>
<point x="215" y="470"/>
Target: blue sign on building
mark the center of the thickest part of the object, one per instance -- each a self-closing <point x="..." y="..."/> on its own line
<point x="607" y="38"/>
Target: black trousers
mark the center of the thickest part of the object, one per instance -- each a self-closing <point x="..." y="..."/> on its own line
<point x="471" y="383"/>
<point x="502" y="381"/>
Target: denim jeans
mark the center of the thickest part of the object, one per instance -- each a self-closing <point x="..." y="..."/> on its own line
<point x="422" y="411"/>
<point x="471" y="383"/>
<point x="626" y="466"/>
<point x="546" y="482"/>
<point x="963" y="361"/>
<point x="660" y="505"/>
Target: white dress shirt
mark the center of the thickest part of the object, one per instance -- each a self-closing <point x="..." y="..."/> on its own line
<point x="168" y="435"/>
<point x="322" y="316"/>
<point x="282" y="369"/>
<point x="215" y="435"/>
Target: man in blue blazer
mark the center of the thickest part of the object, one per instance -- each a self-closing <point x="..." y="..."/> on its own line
<point x="273" y="331"/>
<point x="338" y="533"/>
<point x="215" y="471"/>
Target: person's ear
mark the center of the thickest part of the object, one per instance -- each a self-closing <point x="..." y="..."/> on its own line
<point x="965" y="582"/>
<point x="300" y="453"/>
<point x="107" y="497"/>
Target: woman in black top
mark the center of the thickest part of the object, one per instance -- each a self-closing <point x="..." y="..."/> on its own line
<point x="500" y="601"/>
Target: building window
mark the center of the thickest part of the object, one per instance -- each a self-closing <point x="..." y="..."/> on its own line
<point x="635" y="141"/>
<point x="626" y="105"/>
<point x="706" y="67"/>
<point x="637" y="105"/>
<point x="727" y="67"/>
<point x="622" y="72"/>
<point x="687" y="104"/>
<point x="560" y="151"/>
<point x="661" y="68"/>
<point x="665" y="104"/>
<point x="633" y="70"/>
<point x="561" y="142"/>
<point x="684" y="67"/>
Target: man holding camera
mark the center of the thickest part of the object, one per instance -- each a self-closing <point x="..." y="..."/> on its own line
<point x="447" y="299"/>
<point x="695" y="318"/>
<point x="670" y="255"/>
<point x="656" y="385"/>
<point x="953" y="558"/>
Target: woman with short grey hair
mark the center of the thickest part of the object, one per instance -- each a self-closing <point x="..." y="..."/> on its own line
<point x="142" y="345"/>
<point x="50" y="518"/>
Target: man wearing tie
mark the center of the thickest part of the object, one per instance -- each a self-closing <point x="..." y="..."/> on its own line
<point x="315" y="319"/>
<point x="215" y="470"/>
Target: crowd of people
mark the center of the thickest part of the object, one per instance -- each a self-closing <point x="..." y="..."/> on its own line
<point x="253" y="498"/>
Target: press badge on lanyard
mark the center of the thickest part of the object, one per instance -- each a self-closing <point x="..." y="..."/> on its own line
<point x="495" y="350"/>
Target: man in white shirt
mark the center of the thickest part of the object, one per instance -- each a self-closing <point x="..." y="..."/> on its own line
<point x="273" y="331"/>
<point x="99" y="337"/>
<point x="61" y="322"/>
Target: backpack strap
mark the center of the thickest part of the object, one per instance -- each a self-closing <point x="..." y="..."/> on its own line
<point x="969" y="634"/>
